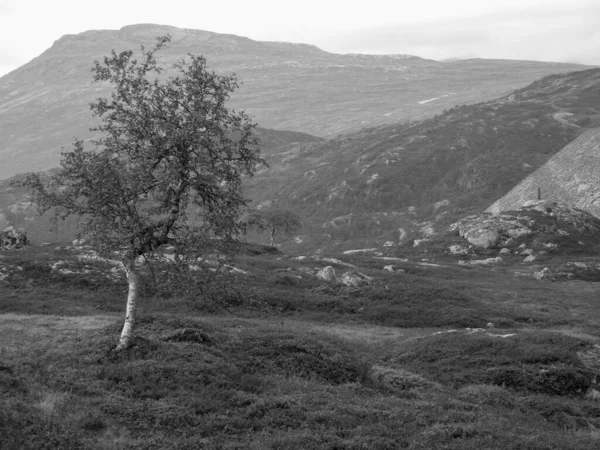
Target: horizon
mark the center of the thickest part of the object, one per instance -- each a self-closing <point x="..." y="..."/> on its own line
<point x="565" y="32"/>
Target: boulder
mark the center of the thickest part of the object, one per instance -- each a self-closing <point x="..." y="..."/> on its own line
<point x="504" y="251"/>
<point x="355" y="279"/>
<point x="390" y="268"/>
<point x="327" y="274"/>
<point x="458" y="249"/>
<point x="527" y="252"/>
<point x="544" y="274"/>
<point x="11" y="238"/>
<point x="529" y="259"/>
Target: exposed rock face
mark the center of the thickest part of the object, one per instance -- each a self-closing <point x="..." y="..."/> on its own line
<point x="12" y="238"/>
<point x="542" y="217"/>
<point x="572" y="176"/>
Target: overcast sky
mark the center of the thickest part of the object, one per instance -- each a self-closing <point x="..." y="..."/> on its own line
<point x="544" y="30"/>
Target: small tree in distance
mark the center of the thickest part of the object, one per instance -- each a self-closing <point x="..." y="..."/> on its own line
<point x="273" y="221"/>
<point x="167" y="169"/>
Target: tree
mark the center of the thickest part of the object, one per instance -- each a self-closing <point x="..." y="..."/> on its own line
<point x="167" y="168"/>
<point x="273" y="221"/>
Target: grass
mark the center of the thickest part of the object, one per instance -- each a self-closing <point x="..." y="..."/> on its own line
<point x="296" y="365"/>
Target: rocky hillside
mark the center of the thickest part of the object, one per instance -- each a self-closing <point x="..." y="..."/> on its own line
<point x="44" y="103"/>
<point x="571" y="176"/>
<point x="394" y="183"/>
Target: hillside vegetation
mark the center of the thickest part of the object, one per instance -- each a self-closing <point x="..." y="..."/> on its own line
<point x="356" y="189"/>
<point x="287" y="361"/>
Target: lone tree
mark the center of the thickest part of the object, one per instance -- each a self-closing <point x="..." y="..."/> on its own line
<point x="167" y="168"/>
<point x="273" y="221"/>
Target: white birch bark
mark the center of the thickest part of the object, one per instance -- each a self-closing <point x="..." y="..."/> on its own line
<point x="133" y="279"/>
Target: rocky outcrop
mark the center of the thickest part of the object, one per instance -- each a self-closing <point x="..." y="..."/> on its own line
<point x="11" y="238"/>
<point x="571" y="176"/>
<point x="532" y="220"/>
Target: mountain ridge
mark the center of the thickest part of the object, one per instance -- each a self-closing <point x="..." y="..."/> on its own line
<point x="285" y="86"/>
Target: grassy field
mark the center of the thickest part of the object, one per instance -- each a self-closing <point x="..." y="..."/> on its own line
<point x="285" y="361"/>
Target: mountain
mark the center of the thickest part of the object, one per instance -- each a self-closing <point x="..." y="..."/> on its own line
<point x="44" y="103"/>
<point x="571" y="176"/>
<point x="398" y="182"/>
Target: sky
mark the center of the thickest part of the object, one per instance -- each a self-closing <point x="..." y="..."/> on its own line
<point x="542" y="30"/>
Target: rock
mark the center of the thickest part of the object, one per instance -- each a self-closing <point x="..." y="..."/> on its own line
<point x="499" y="259"/>
<point x="484" y="238"/>
<point x="458" y="249"/>
<point x="489" y="325"/>
<point x="11" y="239"/>
<point x="544" y="274"/>
<point x="527" y="252"/>
<point x="580" y="265"/>
<point x="355" y="279"/>
<point x="327" y="274"/>
<point x="418" y="242"/>
<point x="504" y="251"/>
<point x="551" y="245"/>
<point x="440" y="204"/>
<point x="481" y="262"/>
<point x="79" y="242"/>
<point x="389" y="244"/>
<point x="592" y="394"/>
<point x="510" y="242"/>
<point x="390" y="268"/>
<point x="529" y="259"/>
<point x="522" y="246"/>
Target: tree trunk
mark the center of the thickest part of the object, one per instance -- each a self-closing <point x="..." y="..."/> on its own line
<point x="133" y="278"/>
<point x="273" y="237"/>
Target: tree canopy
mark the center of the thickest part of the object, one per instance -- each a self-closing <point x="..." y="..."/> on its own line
<point x="166" y="169"/>
<point x="273" y="221"/>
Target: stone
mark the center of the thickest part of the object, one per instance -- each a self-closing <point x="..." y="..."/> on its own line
<point x="389" y="244"/>
<point x="529" y="259"/>
<point x="458" y="249"/>
<point x="592" y="394"/>
<point x="527" y="252"/>
<point x="11" y="239"/>
<point x="504" y="251"/>
<point x="522" y="246"/>
<point x="441" y="204"/>
<point x="418" y="242"/>
<point x="499" y="259"/>
<point x="510" y="242"/>
<point x="79" y="242"/>
<point x="327" y="274"/>
<point x="545" y="275"/>
<point x="489" y="325"/>
<point x="354" y="279"/>
<point x="481" y="237"/>
<point x="390" y="268"/>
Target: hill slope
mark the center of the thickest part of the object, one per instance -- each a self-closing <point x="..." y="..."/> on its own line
<point x="44" y="103"/>
<point x="359" y="187"/>
<point x="571" y="176"/>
